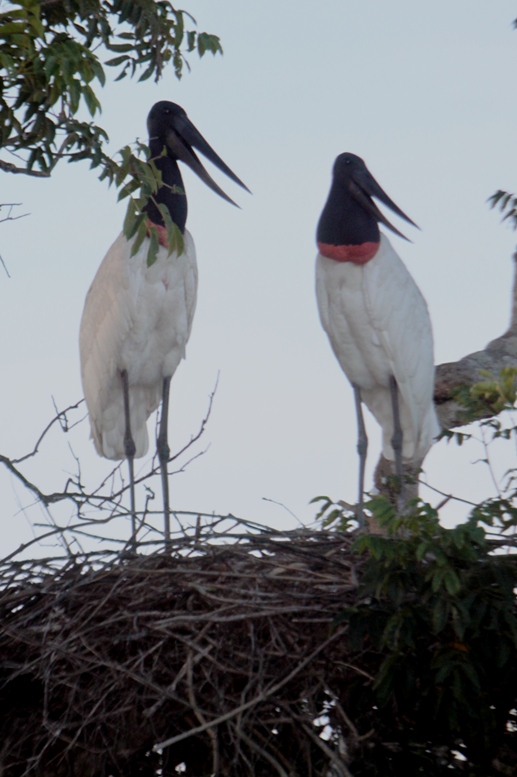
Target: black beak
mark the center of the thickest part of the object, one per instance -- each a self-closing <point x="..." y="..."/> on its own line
<point x="363" y="187"/>
<point x="182" y="138"/>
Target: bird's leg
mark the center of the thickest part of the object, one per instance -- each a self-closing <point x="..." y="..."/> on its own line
<point x="162" y="447"/>
<point x="362" y="447"/>
<point x="129" y="450"/>
<point x="396" y="442"/>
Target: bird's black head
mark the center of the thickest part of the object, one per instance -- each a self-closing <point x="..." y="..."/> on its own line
<point x="169" y="126"/>
<point x="346" y="165"/>
<point x="163" y="117"/>
<point x="353" y="178"/>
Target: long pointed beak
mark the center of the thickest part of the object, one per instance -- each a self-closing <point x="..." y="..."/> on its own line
<point x="364" y="187"/>
<point x="180" y="141"/>
<point x="194" y="138"/>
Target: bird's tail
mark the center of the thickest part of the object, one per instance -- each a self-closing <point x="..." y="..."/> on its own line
<point x="417" y="438"/>
<point x="419" y="428"/>
<point x="108" y="432"/>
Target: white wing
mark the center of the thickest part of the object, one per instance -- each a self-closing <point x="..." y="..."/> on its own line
<point x="107" y="318"/>
<point x="401" y="320"/>
<point x="136" y="318"/>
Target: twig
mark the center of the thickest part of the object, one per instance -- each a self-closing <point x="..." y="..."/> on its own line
<point x="4" y="266"/>
<point x="8" y="167"/>
<point x="253" y="702"/>
<point x="61" y="418"/>
<point x="197" y="712"/>
<point x="9" y="217"/>
<point x="449" y="496"/>
<point x="264" y="753"/>
<point x="337" y="762"/>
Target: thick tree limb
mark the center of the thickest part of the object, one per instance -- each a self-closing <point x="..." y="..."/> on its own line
<point x="499" y="353"/>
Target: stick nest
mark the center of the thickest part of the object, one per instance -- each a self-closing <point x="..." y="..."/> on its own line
<point x="216" y="658"/>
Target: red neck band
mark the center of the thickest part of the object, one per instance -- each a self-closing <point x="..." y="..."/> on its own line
<point x="356" y="254"/>
<point x="162" y="233"/>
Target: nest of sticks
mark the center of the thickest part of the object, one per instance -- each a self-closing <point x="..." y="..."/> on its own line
<point x="222" y="657"/>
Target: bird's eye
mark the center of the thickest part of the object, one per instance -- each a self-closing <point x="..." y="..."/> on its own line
<point x="347" y="161"/>
<point x="166" y="110"/>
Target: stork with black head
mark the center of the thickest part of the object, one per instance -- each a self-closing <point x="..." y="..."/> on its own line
<point x="137" y="316"/>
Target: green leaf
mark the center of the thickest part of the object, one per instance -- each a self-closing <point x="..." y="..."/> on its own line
<point x="141" y="234"/>
<point x="133" y="220"/>
<point x="440" y="615"/>
<point x="128" y="189"/>
<point x="91" y="100"/>
<point x="452" y="582"/>
<point x="154" y="247"/>
<point x="116" y="61"/>
<point x="147" y="73"/>
<point x="175" y="239"/>
<point x="191" y="40"/>
<point x="206" y="42"/>
<point x="125" y="48"/>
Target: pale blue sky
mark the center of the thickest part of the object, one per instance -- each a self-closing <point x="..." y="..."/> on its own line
<point x="424" y="92"/>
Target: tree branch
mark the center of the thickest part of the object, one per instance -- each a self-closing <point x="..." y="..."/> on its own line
<point x="499" y="353"/>
<point x="8" y="167"/>
<point x="9" y="216"/>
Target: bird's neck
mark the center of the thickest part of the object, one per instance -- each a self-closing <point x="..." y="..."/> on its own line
<point x="346" y="231"/>
<point x="171" y="193"/>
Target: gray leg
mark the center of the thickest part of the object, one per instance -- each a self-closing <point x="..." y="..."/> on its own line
<point x="162" y="447"/>
<point x="129" y="450"/>
<point x="362" y="447"/>
<point x="396" y="442"/>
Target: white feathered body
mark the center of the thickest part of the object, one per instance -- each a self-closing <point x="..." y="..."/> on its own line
<point x="136" y="318"/>
<point x="378" y="325"/>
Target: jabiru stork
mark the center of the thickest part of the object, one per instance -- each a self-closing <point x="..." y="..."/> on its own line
<point x="137" y="318"/>
<point x="376" y="319"/>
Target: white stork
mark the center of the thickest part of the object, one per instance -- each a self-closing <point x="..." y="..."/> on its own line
<point x="137" y="319"/>
<point x="376" y="319"/>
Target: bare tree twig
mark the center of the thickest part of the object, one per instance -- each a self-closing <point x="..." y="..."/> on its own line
<point x="4" y="266"/>
<point x="9" y="216"/>
<point x="60" y="418"/>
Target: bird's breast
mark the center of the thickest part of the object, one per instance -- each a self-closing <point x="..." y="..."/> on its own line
<point x="163" y="302"/>
<point x="348" y="315"/>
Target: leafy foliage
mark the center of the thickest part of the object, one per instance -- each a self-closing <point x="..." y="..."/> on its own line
<point x="494" y="397"/>
<point x="436" y="626"/>
<point x="507" y="203"/>
<point x="50" y="62"/>
<point x="489" y="397"/>
<point x="145" y="176"/>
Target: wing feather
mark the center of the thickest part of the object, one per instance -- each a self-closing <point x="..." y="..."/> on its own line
<point x="401" y="320"/>
<point x="138" y="319"/>
<point x="106" y="321"/>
